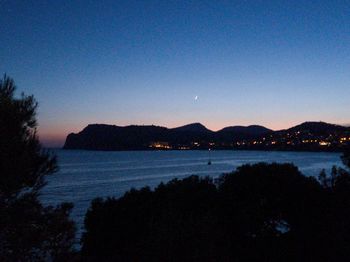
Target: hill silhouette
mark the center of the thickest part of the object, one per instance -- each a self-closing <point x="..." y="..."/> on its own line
<point x="318" y="128"/>
<point x="111" y="137"/>
<point x="197" y="136"/>
<point x="242" y="132"/>
<point x="194" y="127"/>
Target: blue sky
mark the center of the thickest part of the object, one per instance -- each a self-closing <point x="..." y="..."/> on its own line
<point x="274" y="63"/>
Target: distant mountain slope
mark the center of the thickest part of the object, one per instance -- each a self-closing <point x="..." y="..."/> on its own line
<point x="235" y="133"/>
<point x="195" y="127"/>
<point x="194" y="136"/>
<point x="108" y="137"/>
<point x="318" y="128"/>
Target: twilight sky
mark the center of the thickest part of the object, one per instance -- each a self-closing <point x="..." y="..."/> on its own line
<point x="274" y="63"/>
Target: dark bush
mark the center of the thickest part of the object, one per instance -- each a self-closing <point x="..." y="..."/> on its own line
<point x="261" y="212"/>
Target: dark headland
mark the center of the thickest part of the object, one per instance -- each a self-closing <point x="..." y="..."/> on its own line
<point x="308" y="136"/>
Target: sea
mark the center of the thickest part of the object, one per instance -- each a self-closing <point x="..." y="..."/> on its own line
<point x="85" y="175"/>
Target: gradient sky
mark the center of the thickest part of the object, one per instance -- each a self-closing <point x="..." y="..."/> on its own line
<point x="274" y="63"/>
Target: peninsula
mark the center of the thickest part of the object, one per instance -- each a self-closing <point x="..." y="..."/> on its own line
<point x="308" y="136"/>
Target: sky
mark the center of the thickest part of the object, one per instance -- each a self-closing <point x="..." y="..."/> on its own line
<point x="170" y="63"/>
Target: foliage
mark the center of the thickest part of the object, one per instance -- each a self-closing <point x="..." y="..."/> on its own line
<point x="28" y="230"/>
<point x="261" y="212"/>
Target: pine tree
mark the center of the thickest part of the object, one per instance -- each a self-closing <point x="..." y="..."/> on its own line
<point x="28" y="230"/>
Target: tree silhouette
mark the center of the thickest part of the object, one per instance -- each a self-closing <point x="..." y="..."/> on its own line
<point x="261" y="212"/>
<point x="28" y="230"/>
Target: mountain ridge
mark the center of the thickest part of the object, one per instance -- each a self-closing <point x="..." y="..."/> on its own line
<point x="190" y="136"/>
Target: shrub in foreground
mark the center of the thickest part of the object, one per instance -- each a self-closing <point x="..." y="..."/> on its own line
<point x="261" y="212"/>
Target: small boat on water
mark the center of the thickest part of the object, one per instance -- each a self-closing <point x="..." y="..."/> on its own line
<point x="209" y="161"/>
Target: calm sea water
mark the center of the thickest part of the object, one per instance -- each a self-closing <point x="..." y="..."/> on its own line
<point x="85" y="175"/>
